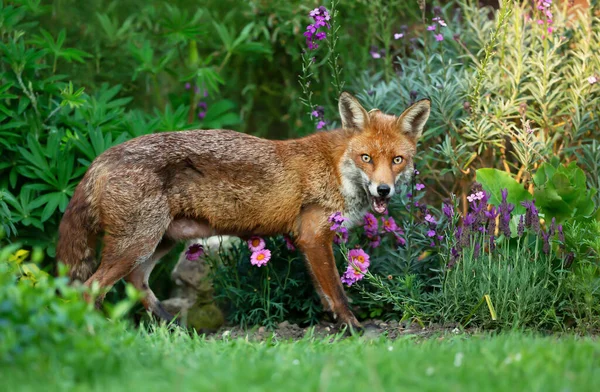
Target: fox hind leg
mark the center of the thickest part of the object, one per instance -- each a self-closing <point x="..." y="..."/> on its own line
<point x="139" y="279"/>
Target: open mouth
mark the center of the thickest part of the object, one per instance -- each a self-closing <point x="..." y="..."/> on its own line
<point x="379" y="204"/>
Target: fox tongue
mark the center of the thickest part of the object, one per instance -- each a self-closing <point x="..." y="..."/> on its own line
<point x="379" y="204"/>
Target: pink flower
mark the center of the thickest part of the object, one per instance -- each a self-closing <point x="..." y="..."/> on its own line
<point x="430" y="219"/>
<point x="442" y="23"/>
<point x="352" y="275"/>
<point x="260" y="258"/>
<point x="256" y="244"/>
<point x="431" y="233"/>
<point x="592" y="79"/>
<point x="439" y="37"/>
<point x="375" y="241"/>
<point x="288" y="243"/>
<point x="194" y="252"/>
<point x="431" y="28"/>
<point x="359" y="258"/>
<point x="419" y="187"/>
<point x="371" y="224"/>
<point x="389" y="225"/>
<point x="375" y="55"/>
<point x="398" y="35"/>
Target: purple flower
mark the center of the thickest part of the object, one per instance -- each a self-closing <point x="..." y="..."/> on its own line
<point x="491" y="217"/>
<point x="561" y="235"/>
<point x="321" y="124"/>
<point x="477" y="250"/>
<point x="505" y="210"/>
<point x="342" y="235"/>
<point x="201" y="115"/>
<point x="448" y="210"/>
<point x="194" y="252"/>
<point x="399" y="239"/>
<point x="314" y="113"/>
<point x="430" y="219"/>
<point x="375" y="241"/>
<point x="188" y="86"/>
<point x="521" y="226"/>
<point x="431" y="233"/>
<point x="546" y="239"/>
<point x="321" y="35"/>
<point x="532" y="219"/>
<point x="389" y="225"/>
<point x="202" y="104"/>
<point x="336" y="219"/>
<point x="375" y="55"/>
<point x="289" y="244"/>
<point x="370" y="224"/>
<point x="419" y="187"/>
<point x="432" y="27"/>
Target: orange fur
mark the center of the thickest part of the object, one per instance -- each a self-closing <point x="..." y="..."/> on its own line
<point x="150" y="192"/>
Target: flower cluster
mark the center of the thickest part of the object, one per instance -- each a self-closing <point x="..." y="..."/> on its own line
<point x="194" y="252"/>
<point x="438" y="22"/>
<point x="358" y="263"/>
<point x="337" y="220"/>
<point x="319" y="114"/>
<point x="481" y="220"/>
<point x="312" y="33"/>
<point x="544" y="14"/>
<point x="260" y="255"/>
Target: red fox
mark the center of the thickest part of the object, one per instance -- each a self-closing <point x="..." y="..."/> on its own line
<point x="150" y="192"/>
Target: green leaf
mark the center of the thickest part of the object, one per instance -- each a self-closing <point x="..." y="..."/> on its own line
<point x="494" y="181"/>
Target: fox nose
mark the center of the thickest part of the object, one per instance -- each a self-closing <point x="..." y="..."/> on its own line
<point x="383" y="190"/>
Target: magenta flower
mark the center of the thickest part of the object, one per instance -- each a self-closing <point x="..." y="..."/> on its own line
<point x="358" y="263"/>
<point x="374" y="241"/>
<point x="359" y="258"/>
<point x="260" y="258"/>
<point x="448" y="210"/>
<point x="321" y="124"/>
<point x="389" y="224"/>
<point x="439" y="37"/>
<point x="201" y="115"/>
<point x="432" y="27"/>
<point x="370" y="224"/>
<point x="419" y="187"/>
<point x="431" y="233"/>
<point x="188" y="86"/>
<point x="314" y="113"/>
<point x="194" y="252"/>
<point x="321" y="35"/>
<point x="256" y="244"/>
<point x="288" y="243"/>
<point x="352" y="275"/>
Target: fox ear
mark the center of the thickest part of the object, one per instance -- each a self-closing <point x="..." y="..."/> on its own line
<point x="413" y="119"/>
<point x="353" y="115"/>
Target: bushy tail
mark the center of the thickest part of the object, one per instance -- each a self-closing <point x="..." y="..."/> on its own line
<point x="77" y="236"/>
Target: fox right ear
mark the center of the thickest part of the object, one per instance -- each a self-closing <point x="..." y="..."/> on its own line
<point x="353" y="115"/>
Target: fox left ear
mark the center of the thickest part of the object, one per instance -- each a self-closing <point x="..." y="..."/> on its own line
<point x="353" y="115"/>
<point x="413" y="119"/>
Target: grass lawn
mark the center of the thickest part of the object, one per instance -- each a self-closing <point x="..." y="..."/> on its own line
<point x="164" y="361"/>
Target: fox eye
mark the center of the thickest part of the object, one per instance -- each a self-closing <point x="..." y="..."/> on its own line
<point x="365" y="158"/>
<point x="398" y="160"/>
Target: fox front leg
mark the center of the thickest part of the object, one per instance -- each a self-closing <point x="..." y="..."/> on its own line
<point x="314" y="240"/>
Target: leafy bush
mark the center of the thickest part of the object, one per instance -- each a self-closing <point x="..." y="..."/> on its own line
<point x="42" y="314"/>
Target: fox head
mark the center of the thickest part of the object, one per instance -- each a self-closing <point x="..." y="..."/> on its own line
<point x="381" y="148"/>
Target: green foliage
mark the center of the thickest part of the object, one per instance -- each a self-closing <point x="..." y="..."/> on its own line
<point x="281" y="290"/>
<point x="561" y="191"/>
<point x="41" y="314"/>
<point x="495" y="181"/>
